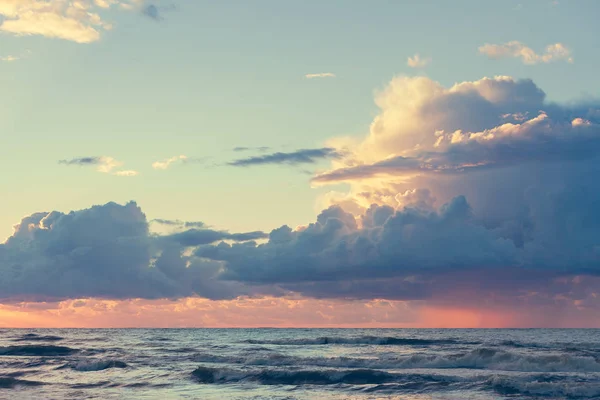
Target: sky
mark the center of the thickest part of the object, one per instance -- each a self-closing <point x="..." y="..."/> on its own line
<point x="342" y="163"/>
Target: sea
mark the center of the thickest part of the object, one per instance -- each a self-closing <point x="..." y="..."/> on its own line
<point x="414" y="364"/>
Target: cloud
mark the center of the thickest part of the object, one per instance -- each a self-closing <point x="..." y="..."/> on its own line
<point x="10" y="58"/>
<point x="196" y="237"/>
<point x="260" y="148"/>
<point x="320" y="75"/>
<point x="178" y="223"/>
<point x="168" y="162"/>
<point x="165" y="164"/>
<point x="103" y="164"/>
<point x="466" y="130"/>
<point x="128" y="172"/>
<point x="302" y="156"/>
<point x="108" y="252"/>
<point x="515" y="49"/>
<point x="155" y="12"/>
<point x="151" y="11"/>
<point x="76" y="21"/>
<point x="417" y="62"/>
<point x="480" y="193"/>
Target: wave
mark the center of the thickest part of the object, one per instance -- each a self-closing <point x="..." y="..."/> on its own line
<point x="286" y="377"/>
<point x="10" y="382"/>
<point x="367" y="340"/>
<point x="480" y="358"/>
<point x="95" y="365"/>
<point x="376" y="381"/>
<point x="555" y="387"/>
<point x="37" y="351"/>
<point x="32" y="337"/>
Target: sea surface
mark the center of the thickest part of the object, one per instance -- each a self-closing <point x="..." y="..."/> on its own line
<point x="299" y="364"/>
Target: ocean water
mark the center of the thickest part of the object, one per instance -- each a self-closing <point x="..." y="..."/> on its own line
<point x="299" y="364"/>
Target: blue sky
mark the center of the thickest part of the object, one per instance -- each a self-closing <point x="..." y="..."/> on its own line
<point x="211" y="76"/>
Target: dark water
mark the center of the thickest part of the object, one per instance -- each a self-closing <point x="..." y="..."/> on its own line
<point x="299" y="364"/>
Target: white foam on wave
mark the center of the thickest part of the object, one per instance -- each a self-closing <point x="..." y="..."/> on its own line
<point x="97" y="365"/>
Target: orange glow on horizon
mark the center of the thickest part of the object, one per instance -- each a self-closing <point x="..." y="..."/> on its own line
<point x="268" y="312"/>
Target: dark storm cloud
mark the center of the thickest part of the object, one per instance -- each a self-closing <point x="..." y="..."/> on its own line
<point x="302" y="156"/>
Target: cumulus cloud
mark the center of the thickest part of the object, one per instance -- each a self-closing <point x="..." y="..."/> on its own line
<point x="472" y="126"/>
<point x="107" y="251"/>
<point x="76" y="21"/>
<point x="417" y="62"/>
<point x="516" y="49"/>
<point x="320" y="75"/>
<point x="302" y="156"/>
<point x="103" y="164"/>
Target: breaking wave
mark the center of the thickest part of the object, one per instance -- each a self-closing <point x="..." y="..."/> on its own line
<point x="95" y="365"/>
<point x="375" y="381"/>
<point x="481" y="358"/>
<point x="544" y="386"/>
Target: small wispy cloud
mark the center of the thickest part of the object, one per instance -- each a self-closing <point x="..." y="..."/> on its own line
<point x="155" y="12"/>
<point x="302" y="156"/>
<point x="104" y="164"/>
<point x="516" y="49"/>
<point x="417" y="62"/>
<point x="151" y="11"/>
<point x="320" y="75"/>
<point x="259" y="148"/>
<point x="12" y="57"/>
<point x="128" y="172"/>
<point x="164" y="164"/>
<point x="179" y="223"/>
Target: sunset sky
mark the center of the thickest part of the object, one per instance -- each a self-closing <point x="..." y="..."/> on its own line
<point x="317" y="163"/>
